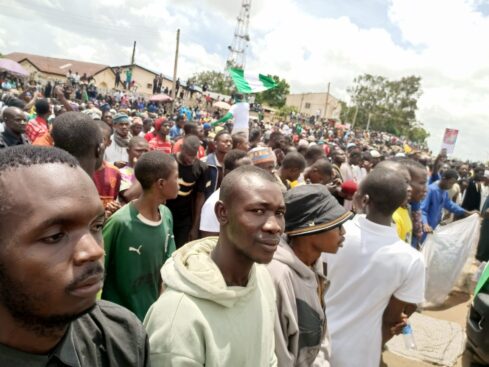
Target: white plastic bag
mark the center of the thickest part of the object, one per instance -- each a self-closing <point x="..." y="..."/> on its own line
<point x="446" y="251"/>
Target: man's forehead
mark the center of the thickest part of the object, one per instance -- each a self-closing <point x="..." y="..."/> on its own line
<point x="258" y="190"/>
<point x="43" y="178"/>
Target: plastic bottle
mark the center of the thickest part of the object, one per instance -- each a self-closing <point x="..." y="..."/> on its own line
<point x="407" y="334"/>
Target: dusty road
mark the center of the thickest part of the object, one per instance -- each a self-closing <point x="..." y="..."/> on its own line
<point x="455" y="309"/>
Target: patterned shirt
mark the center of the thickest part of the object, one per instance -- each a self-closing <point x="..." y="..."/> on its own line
<point x="36" y="128"/>
<point x="159" y="144"/>
<point x="108" y="181"/>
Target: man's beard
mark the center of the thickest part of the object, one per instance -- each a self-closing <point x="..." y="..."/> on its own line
<point x="24" y="307"/>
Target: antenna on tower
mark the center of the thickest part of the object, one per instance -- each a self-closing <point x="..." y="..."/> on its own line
<point x="237" y="51"/>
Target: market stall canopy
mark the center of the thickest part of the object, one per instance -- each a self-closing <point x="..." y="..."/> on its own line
<point x="222" y="105"/>
<point x="13" y="67"/>
<point x="160" y="98"/>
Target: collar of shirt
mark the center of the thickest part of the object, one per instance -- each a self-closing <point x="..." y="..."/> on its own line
<point x="11" y="139"/>
<point x="64" y="355"/>
<point x="378" y="229"/>
<point x="65" y="351"/>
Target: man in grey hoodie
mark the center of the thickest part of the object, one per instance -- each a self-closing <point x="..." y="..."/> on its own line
<point x="313" y="224"/>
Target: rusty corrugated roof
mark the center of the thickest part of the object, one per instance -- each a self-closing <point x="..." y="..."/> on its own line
<point x="57" y="66"/>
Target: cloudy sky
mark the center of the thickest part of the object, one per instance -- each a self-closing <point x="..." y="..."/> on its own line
<point x="307" y="42"/>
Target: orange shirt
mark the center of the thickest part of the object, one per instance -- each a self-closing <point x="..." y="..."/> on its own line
<point x="45" y="140"/>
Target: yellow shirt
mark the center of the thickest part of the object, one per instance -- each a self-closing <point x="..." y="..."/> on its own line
<point x="404" y="225"/>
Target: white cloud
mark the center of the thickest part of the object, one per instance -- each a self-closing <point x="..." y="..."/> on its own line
<point x="448" y="50"/>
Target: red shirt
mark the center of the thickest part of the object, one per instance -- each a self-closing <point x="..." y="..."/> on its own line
<point x="36" y="128"/>
<point x="149" y="136"/>
<point x="159" y="144"/>
<point x="108" y="182"/>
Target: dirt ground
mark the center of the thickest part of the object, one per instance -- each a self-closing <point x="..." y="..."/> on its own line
<point x="455" y="309"/>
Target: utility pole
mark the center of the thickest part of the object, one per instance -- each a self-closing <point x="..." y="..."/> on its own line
<point x="173" y="91"/>
<point x="368" y="122"/>
<point x="133" y="57"/>
<point x="326" y="104"/>
<point x="355" y="117"/>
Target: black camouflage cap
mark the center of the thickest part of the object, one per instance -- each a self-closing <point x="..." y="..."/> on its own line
<point x="312" y="209"/>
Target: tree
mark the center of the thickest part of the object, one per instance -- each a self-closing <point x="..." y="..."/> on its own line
<point x="277" y="96"/>
<point x="418" y="134"/>
<point x="392" y="104"/>
<point x="216" y="81"/>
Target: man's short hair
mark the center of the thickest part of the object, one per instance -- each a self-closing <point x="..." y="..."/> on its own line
<point x="153" y="166"/>
<point x="313" y="153"/>
<point x="135" y="141"/>
<point x="221" y="133"/>
<point x="479" y="169"/>
<point x="107" y="130"/>
<point x="255" y="135"/>
<point x="386" y="188"/>
<point x="232" y="157"/>
<point x="26" y="156"/>
<point x="392" y="164"/>
<point x="180" y="118"/>
<point x="449" y="174"/>
<point x="414" y="167"/>
<point x="191" y="143"/>
<point x="190" y="128"/>
<point x="294" y="160"/>
<point x="76" y="133"/>
<point x="42" y="106"/>
<point x="231" y="180"/>
<point x="323" y="166"/>
<point x="238" y="138"/>
<point x="13" y="101"/>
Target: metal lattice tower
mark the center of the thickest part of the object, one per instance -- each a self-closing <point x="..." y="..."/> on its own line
<point x="237" y="51"/>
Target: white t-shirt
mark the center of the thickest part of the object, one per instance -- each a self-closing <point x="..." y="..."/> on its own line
<point x="372" y="266"/>
<point x="208" y="218"/>
<point x="359" y="173"/>
<point x="241" y="115"/>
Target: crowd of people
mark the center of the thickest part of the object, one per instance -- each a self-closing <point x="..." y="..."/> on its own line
<point x="141" y="236"/>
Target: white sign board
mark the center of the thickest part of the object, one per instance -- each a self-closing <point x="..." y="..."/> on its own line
<point x="449" y="140"/>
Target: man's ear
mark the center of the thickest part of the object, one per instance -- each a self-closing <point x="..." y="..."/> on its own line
<point x="99" y="150"/>
<point x="221" y="212"/>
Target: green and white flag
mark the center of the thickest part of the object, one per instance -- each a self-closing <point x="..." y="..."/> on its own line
<point x="251" y="83"/>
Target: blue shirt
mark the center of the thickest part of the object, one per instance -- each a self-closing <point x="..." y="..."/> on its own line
<point x="175" y="132"/>
<point x="436" y="199"/>
<point x="434" y="177"/>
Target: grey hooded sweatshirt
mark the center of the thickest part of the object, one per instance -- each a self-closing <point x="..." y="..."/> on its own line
<point x="300" y="326"/>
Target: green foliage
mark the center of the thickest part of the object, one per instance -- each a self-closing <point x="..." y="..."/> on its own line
<point x="217" y="81"/>
<point x="392" y="105"/>
<point x="277" y="96"/>
<point x="418" y="134"/>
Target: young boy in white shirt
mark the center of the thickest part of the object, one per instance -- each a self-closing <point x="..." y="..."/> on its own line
<point x="376" y="280"/>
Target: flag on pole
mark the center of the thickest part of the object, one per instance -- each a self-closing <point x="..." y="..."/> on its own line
<point x="251" y="83"/>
